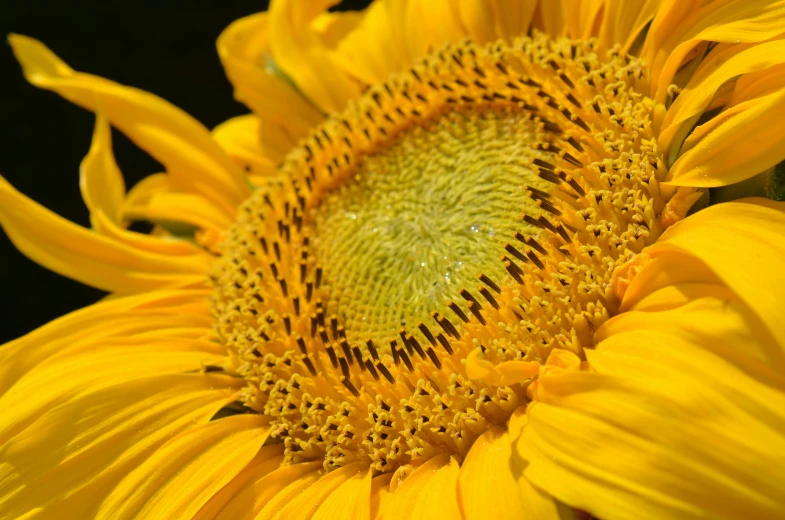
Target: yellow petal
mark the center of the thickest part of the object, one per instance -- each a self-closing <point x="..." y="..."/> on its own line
<point x="490" y="20"/>
<point x="503" y="374"/>
<point x="239" y="137"/>
<point x="164" y="244"/>
<point x="581" y="19"/>
<point x="88" y="257"/>
<point x="680" y="26"/>
<point x="336" y="495"/>
<point x="172" y="137"/>
<point x="665" y="270"/>
<point x="154" y="312"/>
<point x="441" y="22"/>
<point x="103" y="191"/>
<point x="379" y="46"/>
<point x="721" y="157"/>
<point x="679" y="294"/>
<point x="333" y="27"/>
<point x="721" y="66"/>
<point x="100" y="180"/>
<point x="261" y="488"/>
<point x="266" y="461"/>
<point x="662" y="427"/>
<point x="299" y="51"/>
<point x="380" y="493"/>
<point x="721" y="326"/>
<point x="352" y="499"/>
<point x="429" y="492"/>
<point x="73" y="455"/>
<point x="490" y="483"/>
<point x="156" y="199"/>
<point x="284" y="485"/>
<point x="181" y="476"/>
<point x="742" y="243"/>
<point x="393" y="34"/>
<point x="58" y="379"/>
<point x="188" y="208"/>
<point x="623" y="21"/>
<point x="550" y="18"/>
<point x="244" y="50"/>
<point x="147" y="187"/>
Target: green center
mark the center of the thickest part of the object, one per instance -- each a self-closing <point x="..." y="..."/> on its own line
<point x="423" y="217"/>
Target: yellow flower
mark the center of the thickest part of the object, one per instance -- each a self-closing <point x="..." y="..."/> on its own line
<point x="444" y="269"/>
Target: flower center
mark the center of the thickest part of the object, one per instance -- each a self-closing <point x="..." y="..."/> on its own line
<point x="423" y="215"/>
<point x="423" y="253"/>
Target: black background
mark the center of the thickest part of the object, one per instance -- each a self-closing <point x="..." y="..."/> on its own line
<point x="167" y="48"/>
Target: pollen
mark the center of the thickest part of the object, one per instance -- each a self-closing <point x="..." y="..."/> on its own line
<point x="394" y="292"/>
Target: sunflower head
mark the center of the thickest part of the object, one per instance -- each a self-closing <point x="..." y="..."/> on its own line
<point x="432" y="246"/>
<point x="444" y="269"/>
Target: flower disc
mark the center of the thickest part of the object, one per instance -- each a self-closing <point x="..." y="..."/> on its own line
<point x="396" y="291"/>
<point x="423" y="215"/>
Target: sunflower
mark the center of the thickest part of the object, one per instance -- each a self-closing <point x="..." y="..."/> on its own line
<point x="477" y="259"/>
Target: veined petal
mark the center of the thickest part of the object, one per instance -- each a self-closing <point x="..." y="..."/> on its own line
<point x="679" y="294"/>
<point x="185" y="473"/>
<point x="305" y="505"/>
<point x="281" y="486"/>
<point x="156" y="199"/>
<point x="299" y="51"/>
<point x="490" y="483"/>
<point x="100" y="180"/>
<point x="88" y="257"/>
<point x="721" y="158"/>
<point x="749" y="258"/>
<point x="622" y="22"/>
<point x="680" y="26"/>
<point x="103" y="191"/>
<point x="380" y="492"/>
<point x="379" y="46"/>
<point x="488" y="21"/>
<point x="58" y="379"/>
<point x="502" y="374"/>
<point x="351" y="499"/>
<point x="260" y="483"/>
<point x="662" y="427"/>
<point x="239" y="137"/>
<point x="19" y="358"/>
<point x="581" y="19"/>
<point x="172" y="137"/>
<point x="244" y="49"/>
<point x="189" y="208"/>
<point x="550" y="17"/>
<point x="160" y="244"/>
<point x="100" y="320"/>
<point x="66" y="462"/>
<point x="720" y="67"/>
<point x="220" y="505"/>
<point x="429" y="492"/>
<point x="719" y="325"/>
<point x="666" y="270"/>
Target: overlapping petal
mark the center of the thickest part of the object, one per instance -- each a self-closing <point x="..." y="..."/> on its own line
<point x="184" y="146"/>
<point x="696" y="354"/>
<point x="490" y="483"/>
<point x="303" y="56"/>
<point x="89" y="257"/>
<point x="430" y="491"/>
<point x="79" y="450"/>
<point x="678" y="412"/>
<point x="186" y="472"/>
<point x="181" y="313"/>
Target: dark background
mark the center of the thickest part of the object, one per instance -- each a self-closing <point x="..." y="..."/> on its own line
<point x="167" y="48"/>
